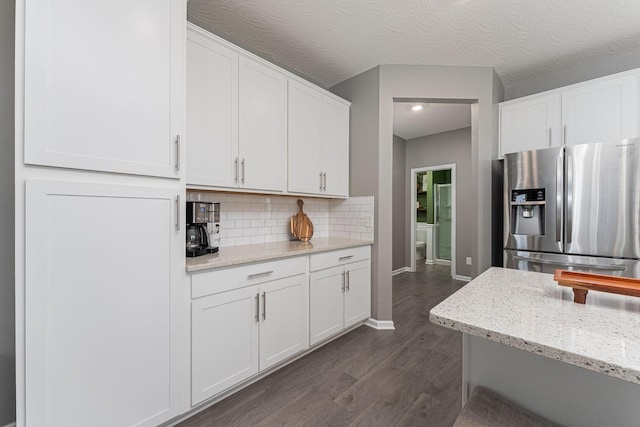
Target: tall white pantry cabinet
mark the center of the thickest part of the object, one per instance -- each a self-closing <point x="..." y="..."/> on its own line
<point x="99" y="184"/>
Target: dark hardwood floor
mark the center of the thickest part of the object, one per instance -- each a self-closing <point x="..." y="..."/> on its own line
<point x="407" y="377"/>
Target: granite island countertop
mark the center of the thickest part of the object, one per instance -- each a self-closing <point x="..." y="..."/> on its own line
<point x="236" y="255"/>
<point x="529" y="311"/>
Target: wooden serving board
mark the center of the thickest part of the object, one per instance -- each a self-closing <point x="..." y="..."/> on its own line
<point x="582" y="283"/>
<point x="301" y="225"/>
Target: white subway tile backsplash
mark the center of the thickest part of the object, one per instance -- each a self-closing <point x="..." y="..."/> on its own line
<point x="248" y="219"/>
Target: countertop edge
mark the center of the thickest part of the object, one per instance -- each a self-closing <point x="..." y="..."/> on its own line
<point x="582" y="361"/>
<point x="266" y="256"/>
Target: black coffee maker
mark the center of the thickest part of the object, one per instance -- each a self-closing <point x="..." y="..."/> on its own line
<point x="199" y="216"/>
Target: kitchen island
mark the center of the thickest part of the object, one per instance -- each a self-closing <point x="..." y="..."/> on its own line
<point x="525" y="338"/>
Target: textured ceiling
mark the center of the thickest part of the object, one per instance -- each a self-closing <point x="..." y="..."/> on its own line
<point x="332" y="40"/>
<point x="432" y="119"/>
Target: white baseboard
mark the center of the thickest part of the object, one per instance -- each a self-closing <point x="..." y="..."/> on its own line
<point x="430" y="262"/>
<point x="380" y="325"/>
<point x="13" y="424"/>
<point x="443" y="262"/>
<point x="400" y="270"/>
<point x="462" y="278"/>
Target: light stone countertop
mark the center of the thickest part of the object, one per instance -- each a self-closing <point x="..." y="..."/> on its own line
<point x="236" y="255"/>
<point x="531" y="312"/>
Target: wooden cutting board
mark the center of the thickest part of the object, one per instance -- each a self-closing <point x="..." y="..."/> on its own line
<point x="582" y="283"/>
<point x="301" y="225"/>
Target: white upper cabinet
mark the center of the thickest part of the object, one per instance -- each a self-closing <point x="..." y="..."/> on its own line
<point x="530" y="124"/>
<point x="212" y="112"/>
<point x="335" y="147"/>
<point x="305" y="139"/>
<point x="104" y="85"/>
<point x="253" y="126"/>
<point x="600" y="110"/>
<point x="318" y="142"/>
<point x="603" y="111"/>
<point x="236" y="118"/>
<point x="262" y="130"/>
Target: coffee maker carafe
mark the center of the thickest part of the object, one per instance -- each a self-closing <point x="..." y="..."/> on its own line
<point x="202" y="216"/>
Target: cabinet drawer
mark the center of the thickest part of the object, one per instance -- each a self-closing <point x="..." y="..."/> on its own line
<point x="212" y="282"/>
<point x="339" y="257"/>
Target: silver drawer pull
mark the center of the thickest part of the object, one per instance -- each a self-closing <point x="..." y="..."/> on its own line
<point x="264" y="273"/>
<point x="342" y="258"/>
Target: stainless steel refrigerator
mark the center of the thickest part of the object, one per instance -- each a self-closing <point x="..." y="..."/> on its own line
<point x="574" y="208"/>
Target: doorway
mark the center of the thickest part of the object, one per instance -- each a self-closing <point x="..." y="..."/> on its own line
<point x="433" y="215"/>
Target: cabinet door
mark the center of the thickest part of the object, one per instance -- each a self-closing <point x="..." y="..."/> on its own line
<point x="530" y="124"/>
<point x="304" y="139"/>
<point x="335" y="147"/>
<point x="284" y="326"/>
<point x="262" y="132"/>
<point x="104" y="266"/>
<point x="224" y="347"/>
<point x="600" y="112"/>
<point x="103" y="85"/>
<point x="326" y="303"/>
<point x="212" y="112"/>
<point x="357" y="300"/>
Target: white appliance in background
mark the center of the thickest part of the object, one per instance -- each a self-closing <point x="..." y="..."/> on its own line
<point x="575" y="208"/>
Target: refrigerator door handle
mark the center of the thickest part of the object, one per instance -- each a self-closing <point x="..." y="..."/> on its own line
<point x="569" y="224"/>
<point x="559" y="167"/>
<point x="609" y="267"/>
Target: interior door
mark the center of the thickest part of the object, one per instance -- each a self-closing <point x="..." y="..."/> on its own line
<point x="603" y="199"/>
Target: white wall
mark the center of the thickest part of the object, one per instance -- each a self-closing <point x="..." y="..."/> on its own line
<point x="453" y="147"/>
<point x="400" y="201"/>
<point x="7" y="282"/>
<point x="372" y="94"/>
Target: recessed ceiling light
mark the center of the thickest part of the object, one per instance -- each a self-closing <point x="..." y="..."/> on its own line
<point x="416" y="107"/>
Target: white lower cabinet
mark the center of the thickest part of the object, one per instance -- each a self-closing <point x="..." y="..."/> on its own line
<point x="238" y="333"/>
<point x="247" y="319"/>
<point x="340" y="296"/>
<point x="103" y="315"/>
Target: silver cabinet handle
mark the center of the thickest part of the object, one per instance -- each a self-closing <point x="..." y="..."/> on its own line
<point x="258" y="307"/>
<point x="610" y="267"/>
<point x="178" y="153"/>
<point x="344" y="281"/>
<point x="235" y="166"/>
<point x="264" y="273"/>
<point x="564" y="134"/>
<point x="264" y="306"/>
<point x="343" y="258"/>
<point x="559" y="168"/>
<point x="243" y="171"/>
<point x="348" y="280"/>
<point x="324" y="176"/>
<point x="549" y="137"/>
<point x="320" y="180"/>
<point x="569" y="212"/>
<point x="178" y="212"/>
